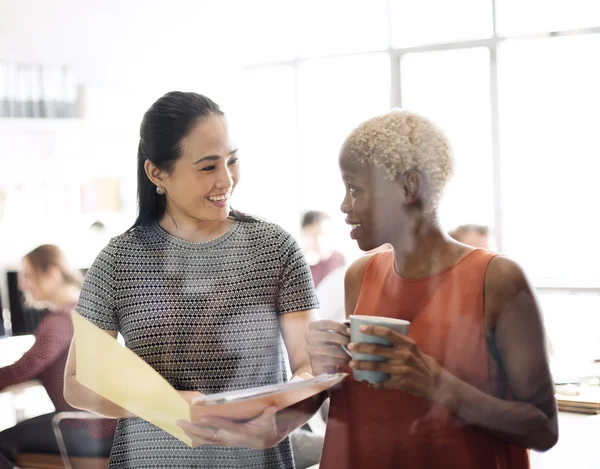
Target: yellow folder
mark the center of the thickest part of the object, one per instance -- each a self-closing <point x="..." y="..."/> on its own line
<point x="119" y="375"/>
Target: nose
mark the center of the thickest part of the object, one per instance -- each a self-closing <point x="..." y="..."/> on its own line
<point x="225" y="179"/>
<point x="346" y="206"/>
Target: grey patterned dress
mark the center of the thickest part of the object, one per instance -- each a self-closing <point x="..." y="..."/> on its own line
<point x="206" y="317"/>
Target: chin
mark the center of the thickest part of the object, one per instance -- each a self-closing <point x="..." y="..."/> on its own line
<point x="364" y="245"/>
<point x="219" y="215"/>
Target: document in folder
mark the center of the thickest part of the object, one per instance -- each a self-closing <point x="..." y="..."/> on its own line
<point x="119" y="375"/>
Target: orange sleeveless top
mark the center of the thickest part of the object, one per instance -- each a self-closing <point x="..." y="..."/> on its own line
<point x="382" y="429"/>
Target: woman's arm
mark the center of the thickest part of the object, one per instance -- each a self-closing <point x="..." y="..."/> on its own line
<point x="294" y="326"/>
<point x="514" y="318"/>
<point x="80" y="397"/>
<point x="530" y="418"/>
<point x="52" y="339"/>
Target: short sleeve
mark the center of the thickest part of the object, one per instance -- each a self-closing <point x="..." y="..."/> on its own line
<point x="97" y="298"/>
<point x="296" y="289"/>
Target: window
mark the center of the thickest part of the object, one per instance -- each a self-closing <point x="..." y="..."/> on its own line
<point x="520" y="113"/>
<point x="334" y="96"/>
<point x="568" y="339"/>
<point x="516" y="17"/>
<point x="549" y="99"/>
<point x="267" y="138"/>
<point x="452" y="89"/>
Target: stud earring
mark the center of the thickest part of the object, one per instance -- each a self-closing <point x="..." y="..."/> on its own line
<point x="160" y="190"/>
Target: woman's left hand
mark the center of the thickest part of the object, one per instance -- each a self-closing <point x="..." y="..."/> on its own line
<point x="410" y="370"/>
<point x="259" y="433"/>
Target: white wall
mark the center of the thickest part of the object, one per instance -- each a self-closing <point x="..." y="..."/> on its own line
<point x="112" y="42"/>
<point x="126" y="55"/>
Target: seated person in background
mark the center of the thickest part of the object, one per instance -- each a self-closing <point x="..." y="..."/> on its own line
<point x="318" y="251"/>
<point x="47" y="277"/>
<point x="472" y="235"/>
<point x="469" y="385"/>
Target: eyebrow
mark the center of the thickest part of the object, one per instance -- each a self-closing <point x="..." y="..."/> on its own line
<point x="213" y="157"/>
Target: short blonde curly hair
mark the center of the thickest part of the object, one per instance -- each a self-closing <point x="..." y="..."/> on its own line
<point x="400" y="141"/>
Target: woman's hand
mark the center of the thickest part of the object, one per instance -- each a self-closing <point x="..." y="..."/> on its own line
<point x="190" y="395"/>
<point x="259" y="433"/>
<point x="323" y="345"/>
<point x="410" y="370"/>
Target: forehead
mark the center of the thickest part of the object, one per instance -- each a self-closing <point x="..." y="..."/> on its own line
<point x="350" y="166"/>
<point x="208" y="137"/>
<point x="353" y="169"/>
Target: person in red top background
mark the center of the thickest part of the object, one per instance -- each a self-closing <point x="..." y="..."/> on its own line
<point x="317" y="245"/>
<point x="47" y="278"/>
<point x="469" y="387"/>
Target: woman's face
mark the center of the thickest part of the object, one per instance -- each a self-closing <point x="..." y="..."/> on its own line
<point x="373" y="204"/>
<point x="202" y="180"/>
<point x="37" y="284"/>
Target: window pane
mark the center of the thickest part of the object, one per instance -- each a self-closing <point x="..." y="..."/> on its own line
<point x="534" y="16"/>
<point x="335" y="95"/>
<point x="342" y="26"/>
<point x="572" y="322"/>
<point x="452" y="89"/>
<point x="549" y="100"/>
<point x="264" y="127"/>
<point x="433" y="21"/>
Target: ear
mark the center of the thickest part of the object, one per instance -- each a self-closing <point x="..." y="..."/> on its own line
<point x="412" y="186"/>
<point x="154" y="173"/>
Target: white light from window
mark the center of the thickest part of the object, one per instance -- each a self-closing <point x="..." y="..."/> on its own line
<point x="536" y="16"/>
<point x="435" y="21"/>
<point x="550" y="157"/>
<point x="452" y="89"/>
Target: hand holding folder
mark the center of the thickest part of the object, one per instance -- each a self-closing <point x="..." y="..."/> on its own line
<point x="125" y="379"/>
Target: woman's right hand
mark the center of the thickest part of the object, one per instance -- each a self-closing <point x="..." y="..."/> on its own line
<point x="324" y="341"/>
<point x="190" y="395"/>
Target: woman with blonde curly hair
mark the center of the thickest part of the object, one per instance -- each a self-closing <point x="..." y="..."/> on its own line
<point x="469" y="386"/>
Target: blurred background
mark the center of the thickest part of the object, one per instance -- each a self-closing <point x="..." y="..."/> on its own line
<point x="514" y="83"/>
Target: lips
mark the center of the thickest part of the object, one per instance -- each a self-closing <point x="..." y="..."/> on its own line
<point x="355" y="227"/>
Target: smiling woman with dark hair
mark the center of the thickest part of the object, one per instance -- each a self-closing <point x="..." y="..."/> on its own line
<point x="469" y="385"/>
<point x="202" y="293"/>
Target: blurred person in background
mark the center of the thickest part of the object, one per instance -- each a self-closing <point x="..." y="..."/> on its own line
<point x="318" y="245"/>
<point x="331" y="290"/>
<point x="469" y="386"/>
<point x="48" y="279"/>
<point x="472" y="235"/>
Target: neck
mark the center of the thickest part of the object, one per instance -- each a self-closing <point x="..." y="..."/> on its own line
<point x="195" y="231"/>
<point x="66" y="295"/>
<point x="428" y="251"/>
